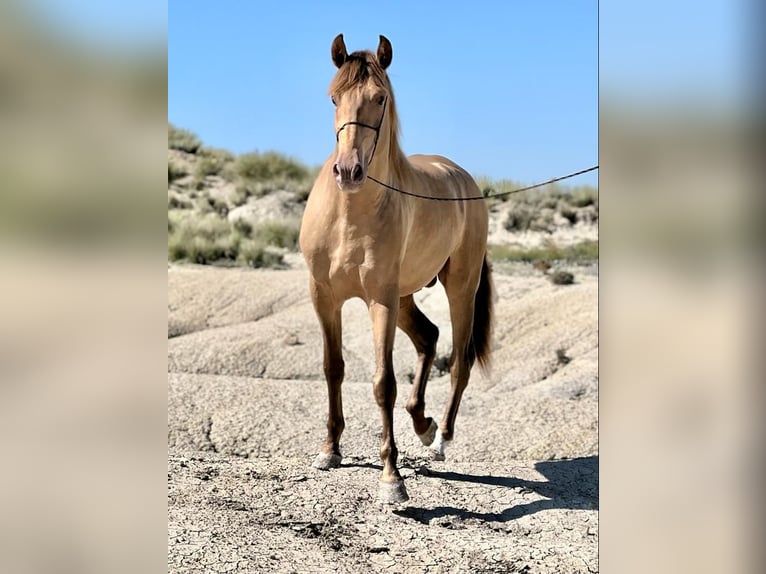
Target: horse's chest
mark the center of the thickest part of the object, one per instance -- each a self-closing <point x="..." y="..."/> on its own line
<point x="346" y="259"/>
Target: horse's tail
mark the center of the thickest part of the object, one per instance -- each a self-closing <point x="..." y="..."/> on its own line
<point x="482" y="317"/>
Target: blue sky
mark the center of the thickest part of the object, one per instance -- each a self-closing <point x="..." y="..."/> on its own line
<point x="506" y="89"/>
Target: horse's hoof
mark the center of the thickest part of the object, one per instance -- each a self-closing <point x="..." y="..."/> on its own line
<point x="392" y="492"/>
<point x="325" y="461"/>
<point x="428" y="437"/>
<point x="437" y="447"/>
<point x="437" y="455"/>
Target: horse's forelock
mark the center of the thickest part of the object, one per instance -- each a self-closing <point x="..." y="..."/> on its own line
<point x="358" y="68"/>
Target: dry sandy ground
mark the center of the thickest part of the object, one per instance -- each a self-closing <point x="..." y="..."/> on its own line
<point x="246" y="414"/>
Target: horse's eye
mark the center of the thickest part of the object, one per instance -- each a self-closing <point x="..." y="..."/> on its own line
<point x="334" y="103"/>
<point x="381" y="99"/>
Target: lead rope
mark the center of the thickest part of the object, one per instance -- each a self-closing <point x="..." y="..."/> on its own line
<point x="555" y="179"/>
<point x="396" y="189"/>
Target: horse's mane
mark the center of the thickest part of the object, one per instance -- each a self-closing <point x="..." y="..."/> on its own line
<point x="359" y="68"/>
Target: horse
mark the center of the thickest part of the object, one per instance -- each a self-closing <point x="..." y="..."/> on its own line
<point x="360" y="238"/>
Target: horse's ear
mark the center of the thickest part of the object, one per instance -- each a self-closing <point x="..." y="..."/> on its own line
<point x="338" y="51"/>
<point x="385" y="52"/>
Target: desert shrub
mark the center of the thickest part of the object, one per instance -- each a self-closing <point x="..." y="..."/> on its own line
<point x="585" y="252"/>
<point x="176" y="201"/>
<point x="246" y="189"/>
<point x="203" y="205"/>
<point x="269" y="166"/>
<point x="253" y="253"/>
<point x="543" y="221"/>
<point x="208" y="166"/>
<point x="217" y="205"/>
<point x="549" y="197"/>
<point x="584" y="196"/>
<point x="175" y="216"/>
<point x="561" y="277"/>
<point x="183" y="140"/>
<point x="278" y="234"/>
<point x="204" y="239"/>
<point x="589" y="214"/>
<point x="214" y="161"/>
<point x="220" y="154"/>
<point x="490" y="187"/>
<point x="567" y="213"/>
<point x="210" y="239"/>
<point x="175" y="171"/>
<point x="243" y="227"/>
<point x="519" y="218"/>
<point x="242" y="192"/>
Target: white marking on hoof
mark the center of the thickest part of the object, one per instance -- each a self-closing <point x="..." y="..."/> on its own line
<point x="325" y="461"/>
<point x="392" y="492"/>
<point x="437" y="447"/>
<point x="428" y="437"/>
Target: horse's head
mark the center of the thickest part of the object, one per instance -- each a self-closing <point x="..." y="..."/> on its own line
<point x="361" y="92"/>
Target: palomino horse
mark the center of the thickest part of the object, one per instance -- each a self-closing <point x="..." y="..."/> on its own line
<point x="361" y="239"/>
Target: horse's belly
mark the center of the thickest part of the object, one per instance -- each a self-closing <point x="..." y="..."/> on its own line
<point x="418" y="270"/>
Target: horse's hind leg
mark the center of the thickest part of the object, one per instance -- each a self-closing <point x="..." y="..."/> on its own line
<point x="460" y="287"/>
<point x="423" y="334"/>
<point x="329" y="314"/>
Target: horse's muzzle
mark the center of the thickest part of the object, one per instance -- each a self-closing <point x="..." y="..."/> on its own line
<point x="349" y="175"/>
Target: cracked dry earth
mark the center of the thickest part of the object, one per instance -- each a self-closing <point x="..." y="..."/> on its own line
<point x="246" y="414"/>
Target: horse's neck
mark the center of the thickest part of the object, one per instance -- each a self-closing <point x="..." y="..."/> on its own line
<point x="391" y="165"/>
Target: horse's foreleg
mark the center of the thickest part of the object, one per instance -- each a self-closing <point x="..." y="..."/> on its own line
<point x="383" y="312"/>
<point x="329" y="313"/>
<point x="423" y="335"/>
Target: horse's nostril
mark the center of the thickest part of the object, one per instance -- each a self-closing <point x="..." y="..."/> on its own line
<point x="357" y="174"/>
<point x="335" y="170"/>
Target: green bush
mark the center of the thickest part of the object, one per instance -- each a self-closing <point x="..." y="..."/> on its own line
<point x="584" y="196"/>
<point x="176" y="201"/>
<point x="490" y="187"/>
<point x="208" y="166"/>
<point x="561" y="278"/>
<point x="255" y="254"/>
<point x="243" y="227"/>
<point x="217" y="205"/>
<point x="269" y="166"/>
<point x="220" y="154"/>
<point x="183" y="140"/>
<point x="585" y="252"/>
<point x="210" y="239"/>
<point x="214" y="161"/>
<point x="175" y="171"/>
<point x="205" y="239"/>
<point x="278" y="234"/>
<point x="568" y="213"/>
<point x="519" y="218"/>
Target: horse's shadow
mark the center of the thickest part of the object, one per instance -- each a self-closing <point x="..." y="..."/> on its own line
<point x="570" y="484"/>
